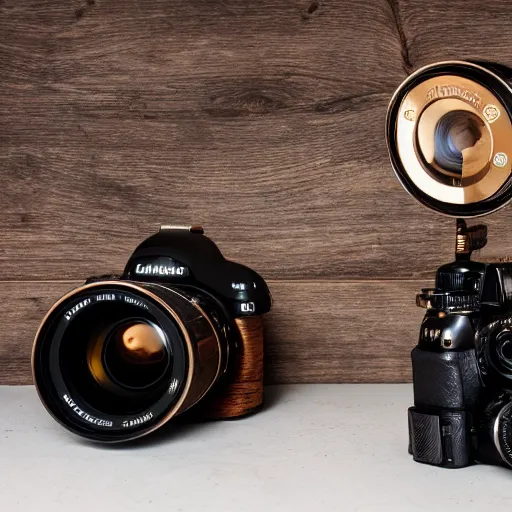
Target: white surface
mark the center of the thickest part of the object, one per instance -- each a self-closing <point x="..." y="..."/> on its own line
<point x="315" y="448"/>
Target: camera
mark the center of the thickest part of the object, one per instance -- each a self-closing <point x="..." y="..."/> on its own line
<point x="180" y="332"/>
<point x="448" y="131"/>
<point x="462" y="365"/>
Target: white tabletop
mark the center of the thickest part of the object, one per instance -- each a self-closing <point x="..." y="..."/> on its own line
<point x="314" y="448"/>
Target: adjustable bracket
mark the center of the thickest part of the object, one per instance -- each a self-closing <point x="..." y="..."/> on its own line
<point x="469" y="239"/>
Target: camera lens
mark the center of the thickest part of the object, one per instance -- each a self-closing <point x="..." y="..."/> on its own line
<point x="503" y="433"/>
<point x="113" y="361"/>
<point x="495" y="432"/>
<point x="448" y="131"/>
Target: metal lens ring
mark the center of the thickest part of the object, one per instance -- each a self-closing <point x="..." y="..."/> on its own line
<point x="502" y="433"/>
<point x="448" y="131"/>
<point x="76" y="385"/>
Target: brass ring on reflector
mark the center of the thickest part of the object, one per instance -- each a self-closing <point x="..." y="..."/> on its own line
<point x="414" y="116"/>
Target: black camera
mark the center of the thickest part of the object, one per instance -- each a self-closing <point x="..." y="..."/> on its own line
<point x="179" y="331"/>
<point x="462" y="365"/>
<point x="448" y="132"/>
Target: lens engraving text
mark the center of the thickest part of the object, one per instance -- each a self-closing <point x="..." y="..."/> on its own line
<point x="138" y="421"/>
<point x="84" y="415"/>
<point x="69" y="314"/>
<point x="450" y="91"/>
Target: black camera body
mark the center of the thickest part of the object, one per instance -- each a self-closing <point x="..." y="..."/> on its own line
<point x="180" y="331"/>
<point x="183" y="257"/>
<point x="462" y="365"/>
<point x="448" y="131"/>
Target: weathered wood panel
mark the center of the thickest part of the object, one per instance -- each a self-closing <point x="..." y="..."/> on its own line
<point x="458" y="29"/>
<point x="261" y="120"/>
<point x="318" y="331"/>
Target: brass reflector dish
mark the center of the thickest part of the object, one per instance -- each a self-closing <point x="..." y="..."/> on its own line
<point x="449" y="135"/>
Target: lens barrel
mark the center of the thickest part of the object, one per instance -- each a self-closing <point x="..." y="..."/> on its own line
<point x="115" y="360"/>
<point x="494" y="432"/>
<point x="502" y="433"/>
<point x="448" y="131"/>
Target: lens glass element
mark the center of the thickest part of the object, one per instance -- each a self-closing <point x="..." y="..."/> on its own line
<point x="455" y="136"/>
<point x="118" y="356"/>
<point x="453" y="143"/>
<point x="135" y="354"/>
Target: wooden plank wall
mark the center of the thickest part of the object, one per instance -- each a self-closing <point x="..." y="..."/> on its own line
<point x="262" y="120"/>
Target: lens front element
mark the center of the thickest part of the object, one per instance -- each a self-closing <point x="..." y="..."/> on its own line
<point x="134" y="355"/>
<point x="455" y="146"/>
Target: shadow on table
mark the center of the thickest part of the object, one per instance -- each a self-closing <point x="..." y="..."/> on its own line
<point x="179" y="428"/>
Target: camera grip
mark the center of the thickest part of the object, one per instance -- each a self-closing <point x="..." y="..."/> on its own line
<point x="244" y="394"/>
<point x="447" y="379"/>
<point x="441" y="439"/>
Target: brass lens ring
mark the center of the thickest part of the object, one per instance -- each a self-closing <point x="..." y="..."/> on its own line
<point x="449" y="135"/>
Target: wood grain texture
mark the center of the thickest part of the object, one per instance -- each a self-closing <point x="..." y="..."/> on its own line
<point x="318" y="331"/>
<point x="261" y="120"/>
<point x="458" y="29"/>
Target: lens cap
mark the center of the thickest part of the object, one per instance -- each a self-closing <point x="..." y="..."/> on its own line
<point x="448" y="131"/>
